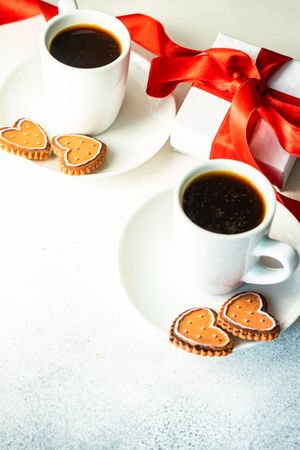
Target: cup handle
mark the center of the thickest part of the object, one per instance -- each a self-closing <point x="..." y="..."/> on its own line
<point x="67" y="6"/>
<point x="284" y="253"/>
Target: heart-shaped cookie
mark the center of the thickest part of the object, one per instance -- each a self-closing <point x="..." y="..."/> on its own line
<point x="195" y="331"/>
<point x="26" y="138"/>
<point x="245" y="315"/>
<point x="78" y="154"/>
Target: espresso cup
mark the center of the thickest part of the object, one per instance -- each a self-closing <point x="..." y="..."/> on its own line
<point x="83" y="100"/>
<point x="215" y="262"/>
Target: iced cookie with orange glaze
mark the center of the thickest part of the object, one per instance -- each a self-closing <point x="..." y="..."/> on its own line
<point x="78" y="154"/>
<point x="245" y="315"/>
<point x="25" y="138"/>
<point x="196" y="331"/>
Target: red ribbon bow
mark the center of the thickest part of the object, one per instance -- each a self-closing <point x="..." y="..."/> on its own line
<point x="232" y="75"/>
<point x="227" y="73"/>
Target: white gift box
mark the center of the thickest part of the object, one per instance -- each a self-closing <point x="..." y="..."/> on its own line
<point x="202" y="113"/>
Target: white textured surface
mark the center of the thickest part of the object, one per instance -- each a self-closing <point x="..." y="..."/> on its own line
<point x="77" y="370"/>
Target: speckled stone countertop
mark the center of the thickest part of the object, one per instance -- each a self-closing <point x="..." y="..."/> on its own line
<point x="79" y="370"/>
<point x="81" y="374"/>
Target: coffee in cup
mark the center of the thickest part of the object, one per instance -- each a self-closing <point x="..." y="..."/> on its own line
<point x="85" y="46"/>
<point x="223" y="202"/>
<point x="223" y="211"/>
<point x="84" y="89"/>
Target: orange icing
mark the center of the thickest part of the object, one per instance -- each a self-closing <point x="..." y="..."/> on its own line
<point x="78" y="149"/>
<point x="245" y="310"/>
<point x="26" y="134"/>
<point x="197" y="327"/>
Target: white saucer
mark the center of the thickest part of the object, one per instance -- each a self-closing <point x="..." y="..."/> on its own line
<point x="145" y="269"/>
<point x="141" y="129"/>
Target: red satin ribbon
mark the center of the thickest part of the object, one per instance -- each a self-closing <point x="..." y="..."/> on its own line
<point x="227" y="73"/>
<point x="232" y="75"/>
<point x="12" y="10"/>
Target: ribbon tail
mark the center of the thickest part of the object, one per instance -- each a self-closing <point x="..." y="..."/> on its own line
<point x="47" y="10"/>
<point x="292" y="205"/>
<point x="166" y="73"/>
<point x="222" y="146"/>
<point x="150" y="34"/>
<point x="11" y="11"/>
<point x="287" y="132"/>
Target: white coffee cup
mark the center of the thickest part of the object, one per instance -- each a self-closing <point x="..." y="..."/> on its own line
<point x="85" y="101"/>
<point x="219" y="263"/>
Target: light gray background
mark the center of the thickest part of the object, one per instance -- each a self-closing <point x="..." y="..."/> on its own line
<point x="77" y="369"/>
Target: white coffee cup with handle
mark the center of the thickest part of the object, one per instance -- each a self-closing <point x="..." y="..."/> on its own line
<point x="83" y="100"/>
<point x="217" y="263"/>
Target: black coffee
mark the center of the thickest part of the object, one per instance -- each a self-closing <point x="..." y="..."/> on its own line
<point x="223" y="202"/>
<point x="85" y="46"/>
